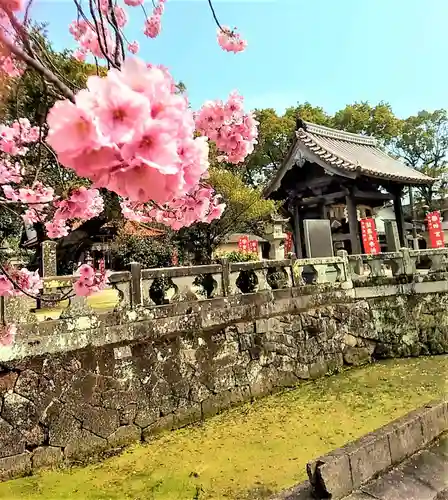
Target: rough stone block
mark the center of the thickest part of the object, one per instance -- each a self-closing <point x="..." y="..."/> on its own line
<point x="12" y="442"/>
<point x="99" y="420"/>
<point x="15" y="466"/>
<point x="350" y="340"/>
<point x="34" y="436"/>
<point x="261" y="325"/>
<point x="215" y="403"/>
<point x="318" y="369"/>
<point x="46" y="456"/>
<point x="27" y="384"/>
<point x="83" y="445"/>
<point x="146" y="417"/>
<point x="189" y="415"/>
<point x="19" y="410"/>
<point x="62" y="429"/>
<point x="247" y="327"/>
<point x="369" y="456"/>
<point x="405" y="438"/>
<point x="165" y="423"/>
<point x="330" y="475"/>
<point x="356" y="356"/>
<point x="7" y="381"/>
<point x="125" y="435"/>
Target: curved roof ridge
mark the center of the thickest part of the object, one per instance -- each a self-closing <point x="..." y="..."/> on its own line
<point x="313" y="128"/>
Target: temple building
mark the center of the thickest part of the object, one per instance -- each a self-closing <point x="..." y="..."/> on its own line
<point x="342" y="177"/>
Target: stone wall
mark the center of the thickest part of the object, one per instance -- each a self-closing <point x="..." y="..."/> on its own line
<point x="74" y="391"/>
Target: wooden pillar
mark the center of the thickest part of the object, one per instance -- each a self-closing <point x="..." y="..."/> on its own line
<point x="297" y="235"/>
<point x="399" y="217"/>
<point x="353" y="224"/>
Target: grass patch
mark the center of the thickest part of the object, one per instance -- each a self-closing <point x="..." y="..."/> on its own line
<point x="254" y="450"/>
<point x="105" y="300"/>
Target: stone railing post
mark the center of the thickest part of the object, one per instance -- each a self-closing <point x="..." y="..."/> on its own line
<point x="408" y="264"/>
<point x="347" y="270"/>
<point x="292" y="257"/>
<point x="225" y="264"/>
<point x="136" y="283"/>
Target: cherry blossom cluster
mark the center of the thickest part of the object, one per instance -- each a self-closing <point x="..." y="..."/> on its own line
<point x="83" y="204"/>
<point x="227" y="124"/>
<point x="130" y="133"/>
<point x="7" y="335"/>
<point x="230" y="41"/>
<point x="38" y="195"/>
<point x="200" y="205"/>
<point x="153" y="23"/>
<point x="10" y="172"/>
<point x="89" y="281"/>
<point x="9" y="64"/>
<point x="14" y="138"/>
<point x="20" y="281"/>
<point x="85" y="34"/>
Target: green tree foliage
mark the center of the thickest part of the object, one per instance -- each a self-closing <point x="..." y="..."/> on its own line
<point x="361" y="118"/>
<point x="149" y="252"/>
<point x="245" y="212"/>
<point x="423" y="144"/>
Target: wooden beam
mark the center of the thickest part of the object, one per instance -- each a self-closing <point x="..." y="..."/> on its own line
<point x="353" y="224"/>
<point x="399" y="217"/>
<point x="373" y="195"/>
<point x="297" y="235"/>
<point x="323" y="199"/>
<point x="314" y="183"/>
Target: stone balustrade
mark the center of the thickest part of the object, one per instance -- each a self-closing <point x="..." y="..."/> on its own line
<point x="150" y="288"/>
<point x="183" y="343"/>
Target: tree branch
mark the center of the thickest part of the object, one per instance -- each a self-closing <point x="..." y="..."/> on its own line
<point x="35" y="64"/>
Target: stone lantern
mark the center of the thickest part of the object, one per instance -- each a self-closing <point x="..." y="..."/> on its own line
<point x="274" y="233"/>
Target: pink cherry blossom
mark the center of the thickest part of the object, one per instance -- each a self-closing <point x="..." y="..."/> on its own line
<point x="233" y="131"/>
<point x="120" y="16"/>
<point x="6" y="287"/>
<point x="230" y="41"/>
<point x="7" y="335"/>
<point x="56" y="228"/>
<point x="119" y="110"/>
<point x="153" y="23"/>
<point x="200" y="205"/>
<point x="133" y="47"/>
<point x="68" y="120"/>
<point x="25" y="282"/>
<point x="14" y="138"/>
<point x="10" y="172"/>
<point x="133" y="3"/>
<point x="90" y="281"/>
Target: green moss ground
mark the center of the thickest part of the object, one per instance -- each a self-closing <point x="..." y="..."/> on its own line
<point x="253" y="450"/>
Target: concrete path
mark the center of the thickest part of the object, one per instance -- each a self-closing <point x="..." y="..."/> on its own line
<point x="422" y="477"/>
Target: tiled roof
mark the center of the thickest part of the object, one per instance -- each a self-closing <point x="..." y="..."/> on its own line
<point x="345" y="154"/>
<point x="353" y="152"/>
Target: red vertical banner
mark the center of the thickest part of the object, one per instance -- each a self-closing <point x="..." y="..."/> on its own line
<point x="436" y="236"/>
<point x="243" y="244"/>
<point x="369" y="236"/>
<point x="288" y="243"/>
<point x="253" y="246"/>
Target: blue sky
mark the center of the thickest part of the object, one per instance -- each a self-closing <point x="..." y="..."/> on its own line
<point x="328" y="52"/>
